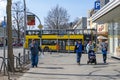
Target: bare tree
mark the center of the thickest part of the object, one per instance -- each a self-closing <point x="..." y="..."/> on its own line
<point x="75" y="21"/>
<point x="57" y="18"/>
<point x="9" y="34"/>
<point x="18" y="18"/>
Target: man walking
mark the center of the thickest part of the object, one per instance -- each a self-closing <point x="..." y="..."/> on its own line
<point x="79" y="51"/>
<point x="34" y="48"/>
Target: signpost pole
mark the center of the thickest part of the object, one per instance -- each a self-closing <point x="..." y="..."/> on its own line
<point x="40" y="27"/>
<point x="25" y="25"/>
<point x="4" y="42"/>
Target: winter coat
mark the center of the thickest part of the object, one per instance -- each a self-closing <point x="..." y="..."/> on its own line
<point x="34" y="48"/>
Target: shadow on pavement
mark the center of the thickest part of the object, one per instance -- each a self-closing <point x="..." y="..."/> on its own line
<point x="83" y="75"/>
<point x="51" y="67"/>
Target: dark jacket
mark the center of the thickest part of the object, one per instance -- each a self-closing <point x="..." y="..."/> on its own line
<point x="34" y="48"/>
<point x="79" y="47"/>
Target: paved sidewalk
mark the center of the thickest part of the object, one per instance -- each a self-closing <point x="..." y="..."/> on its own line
<point x="64" y="67"/>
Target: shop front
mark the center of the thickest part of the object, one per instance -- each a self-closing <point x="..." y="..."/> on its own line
<point x="110" y="14"/>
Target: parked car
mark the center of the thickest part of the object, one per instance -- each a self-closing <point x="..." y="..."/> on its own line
<point x="17" y="44"/>
<point x="1" y="44"/>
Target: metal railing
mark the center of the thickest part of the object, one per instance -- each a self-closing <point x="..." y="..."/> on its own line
<point x="19" y="64"/>
<point x="19" y="61"/>
<point x="4" y="65"/>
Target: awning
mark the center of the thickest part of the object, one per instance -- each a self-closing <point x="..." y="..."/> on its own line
<point x="101" y="37"/>
<point x="110" y="12"/>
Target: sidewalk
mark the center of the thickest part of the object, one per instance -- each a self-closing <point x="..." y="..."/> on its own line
<point x="63" y="67"/>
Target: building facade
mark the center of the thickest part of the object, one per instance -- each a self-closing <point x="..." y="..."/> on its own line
<point x="103" y="3"/>
<point x="110" y="14"/>
<point x="81" y="24"/>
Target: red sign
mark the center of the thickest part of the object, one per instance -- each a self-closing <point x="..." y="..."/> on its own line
<point x="30" y="20"/>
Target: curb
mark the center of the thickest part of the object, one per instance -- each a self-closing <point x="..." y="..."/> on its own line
<point x="118" y="58"/>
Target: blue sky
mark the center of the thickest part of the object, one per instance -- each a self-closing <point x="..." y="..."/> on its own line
<point x="75" y="8"/>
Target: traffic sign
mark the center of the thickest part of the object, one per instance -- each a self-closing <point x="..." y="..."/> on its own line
<point x="97" y="5"/>
<point x="30" y="20"/>
<point x="4" y="24"/>
<point x="40" y="26"/>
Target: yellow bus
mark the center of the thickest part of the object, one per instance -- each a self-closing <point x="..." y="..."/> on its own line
<point x="55" y="40"/>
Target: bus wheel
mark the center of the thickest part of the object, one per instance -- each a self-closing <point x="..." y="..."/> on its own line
<point x="46" y="49"/>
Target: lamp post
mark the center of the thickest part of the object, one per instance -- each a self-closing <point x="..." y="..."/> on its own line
<point x="25" y="25"/>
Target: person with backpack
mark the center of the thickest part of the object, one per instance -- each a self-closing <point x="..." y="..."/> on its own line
<point x="34" y="49"/>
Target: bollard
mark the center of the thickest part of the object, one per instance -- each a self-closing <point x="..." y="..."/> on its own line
<point x="28" y="57"/>
<point x="16" y="62"/>
<point x="19" y="55"/>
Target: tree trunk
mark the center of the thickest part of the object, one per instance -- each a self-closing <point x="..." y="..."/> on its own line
<point x="9" y="34"/>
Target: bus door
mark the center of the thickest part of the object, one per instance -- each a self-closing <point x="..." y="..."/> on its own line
<point x="62" y="45"/>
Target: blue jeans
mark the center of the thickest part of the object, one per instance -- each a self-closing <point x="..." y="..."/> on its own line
<point x="104" y="58"/>
<point x="34" y="59"/>
<point x="79" y="54"/>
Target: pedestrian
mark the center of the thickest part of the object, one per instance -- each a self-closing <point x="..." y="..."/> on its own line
<point x="104" y="51"/>
<point x="79" y="51"/>
<point x="89" y="47"/>
<point x="34" y="49"/>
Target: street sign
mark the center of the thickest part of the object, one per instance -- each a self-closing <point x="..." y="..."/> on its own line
<point x="30" y="20"/>
<point x="40" y="26"/>
<point x="4" y="24"/>
<point x="97" y="5"/>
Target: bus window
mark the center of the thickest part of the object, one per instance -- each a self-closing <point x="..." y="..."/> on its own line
<point x="48" y="42"/>
<point x="70" y="42"/>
